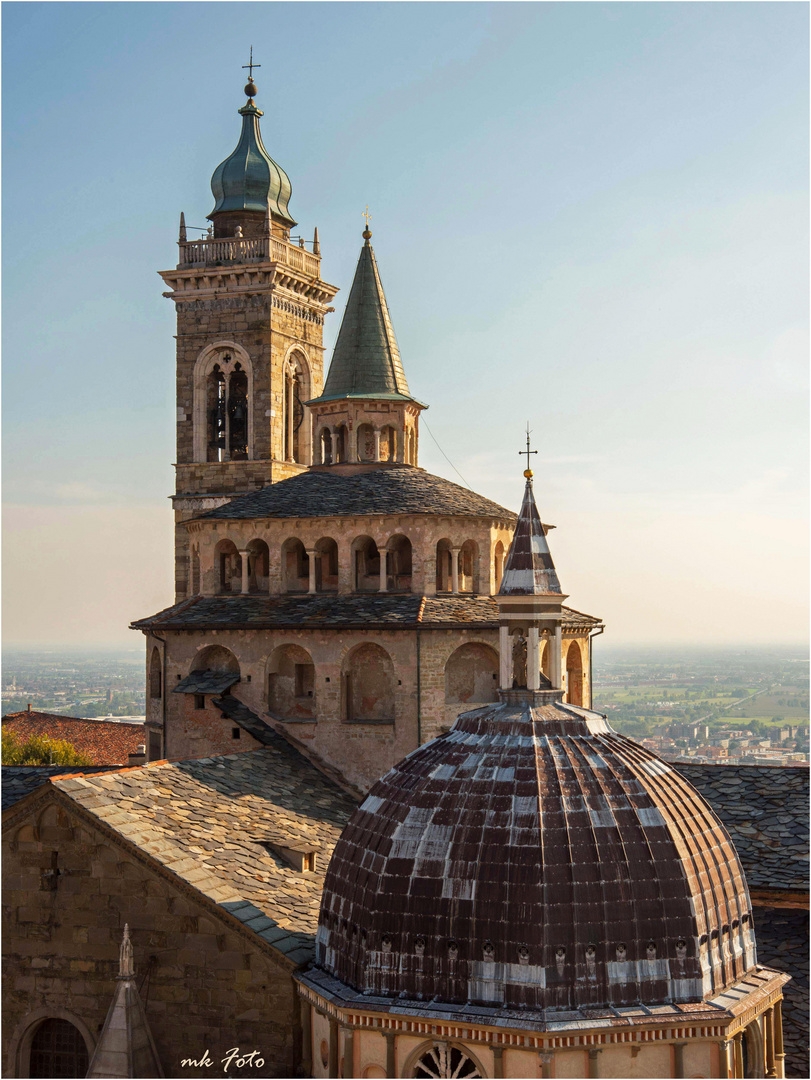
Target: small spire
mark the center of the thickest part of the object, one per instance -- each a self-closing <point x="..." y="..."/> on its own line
<point x="250" y="88"/>
<point x="528" y="568"/>
<point x="316" y="245"/>
<point x="367" y="232"/>
<point x="126" y="967"/>
<point x="182" y="238"/>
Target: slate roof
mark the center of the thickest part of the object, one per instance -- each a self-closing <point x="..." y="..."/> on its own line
<point x="205" y="820"/>
<point x="385" y="491"/>
<point x="528" y="568"/>
<point x="360" y="610"/>
<point x="366" y="359"/>
<point x="206" y="682"/>
<point x="103" y="741"/>
<point x="765" y="808"/>
<point x="18" y="780"/>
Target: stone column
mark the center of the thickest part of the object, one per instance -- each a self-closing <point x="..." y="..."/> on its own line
<point x="391" y="1061"/>
<point x="505" y="657"/>
<point x="545" y="1059"/>
<point x="498" y="1062"/>
<point x="779" y="1052"/>
<point x="556" y="659"/>
<point x="738" y="1045"/>
<point x="768" y="1023"/>
<point x="334" y="441"/>
<point x="725" y="1064"/>
<point x="533" y="659"/>
<point x="377" y="444"/>
<point x="312" y="555"/>
<point x="349" y="1052"/>
<point x="384" y="562"/>
<point x="594" y="1063"/>
<point x="332" y="1068"/>
<point x="245" y="586"/>
<point x="289" y="417"/>
<point x="678" y="1059"/>
<point x="455" y="569"/>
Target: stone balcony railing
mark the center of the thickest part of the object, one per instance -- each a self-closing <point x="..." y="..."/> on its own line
<point x="233" y="251"/>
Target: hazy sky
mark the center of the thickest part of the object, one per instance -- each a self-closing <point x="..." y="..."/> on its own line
<point x="589" y="216"/>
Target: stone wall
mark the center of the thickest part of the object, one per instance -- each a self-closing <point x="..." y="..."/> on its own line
<point x="782" y="943"/>
<point x="206" y="986"/>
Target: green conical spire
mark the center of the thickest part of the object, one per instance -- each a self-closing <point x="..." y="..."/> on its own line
<point x="366" y="360"/>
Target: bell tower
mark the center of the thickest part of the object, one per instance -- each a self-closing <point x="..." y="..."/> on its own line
<point x="250" y="314"/>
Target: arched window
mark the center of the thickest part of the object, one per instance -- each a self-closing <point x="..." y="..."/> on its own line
<point x="223" y="427"/>
<point x="237" y="427"/>
<point x="296" y="392"/>
<point x="574" y="674"/>
<point x="498" y="564"/>
<point x="291" y="683"/>
<point x="58" y="1049"/>
<point x="444" y="566"/>
<point x="366" y="442"/>
<point x="399" y="564"/>
<point x="471" y="675"/>
<point x="215" y="412"/>
<point x="258" y="566"/>
<point x="469" y="567"/>
<point x="443" y="1061"/>
<point x="216" y="658"/>
<point x="230" y="567"/>
<point x="326" y="567"/>
<point x="368" y="684"/>
<point x="155" y="674"/>
<point x="325" y="446"/>
<point x="366" y="564"/>
<point x="295" y="566"/>
<point x="342" y="443"/>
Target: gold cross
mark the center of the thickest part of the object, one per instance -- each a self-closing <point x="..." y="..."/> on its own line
<point x="251" y="66"/>
<point x="367" y="215"/>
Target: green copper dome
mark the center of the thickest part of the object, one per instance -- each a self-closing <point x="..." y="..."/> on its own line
<point x="250" y="179"/>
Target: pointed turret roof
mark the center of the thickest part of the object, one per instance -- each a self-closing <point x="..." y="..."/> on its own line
<point x="366" y="360"/>
<point x="528" y="568"/>
<point x="125" y="1047"/>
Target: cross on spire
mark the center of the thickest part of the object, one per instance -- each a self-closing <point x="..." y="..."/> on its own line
<point x="250" y="66"/>
<point x="367" y="215"/>
<point x="528" y="471"/>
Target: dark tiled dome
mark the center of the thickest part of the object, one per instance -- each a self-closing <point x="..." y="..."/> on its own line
<point x="532" y="857"/>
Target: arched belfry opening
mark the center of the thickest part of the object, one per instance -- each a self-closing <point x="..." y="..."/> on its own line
<point x="295" y="393"/>
<point x="222" y="421"/>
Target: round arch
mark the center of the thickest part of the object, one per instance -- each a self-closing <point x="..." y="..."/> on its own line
<point x="399" y="563"/>
<point x="295" y="566"/>
<point x="19" y="1052"/>
<point x="258" y="566"/>
<point x="574" y="674"/>
<point x="215" y="658"/>
<point x="368" y="684"/>
<point x="443" y="1059"/>
<point x="215" y="353"/>
<point x="155" y="673"/>
<point x="291" y="683"/>
<point x="228" y="567"/>
<point x="365" y="565"/>
<point x="297" y="386"/>
<point x="471" y="675"/>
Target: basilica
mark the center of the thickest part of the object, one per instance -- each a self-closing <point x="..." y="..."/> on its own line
<point x="379" y="830"/>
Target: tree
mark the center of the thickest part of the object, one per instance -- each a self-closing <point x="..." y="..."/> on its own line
<point x="40" y="750"/>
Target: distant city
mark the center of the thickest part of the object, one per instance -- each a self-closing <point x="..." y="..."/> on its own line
<point x="719" y="706"/>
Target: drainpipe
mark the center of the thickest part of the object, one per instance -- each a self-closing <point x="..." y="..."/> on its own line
<point x="591" y="666"/>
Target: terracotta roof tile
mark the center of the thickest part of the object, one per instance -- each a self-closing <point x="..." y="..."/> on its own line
<point x="103" y="741"/>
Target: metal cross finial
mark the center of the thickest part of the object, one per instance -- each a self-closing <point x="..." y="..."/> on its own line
<point x="367" y="215"/>
<point x="251" y="66"/>
<point x="528" y="472"/>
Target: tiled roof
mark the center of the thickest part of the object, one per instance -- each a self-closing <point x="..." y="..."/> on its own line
<point x="402" y="490"/>
<point x="18" y="780"/>
<point x="206" y="682"/>
<point x="765" y="809"/>
<point x="528" y="568"/>
<point x="103" y="741"/>
<point x="205" y="820"/>
<point x="392" y="610"/>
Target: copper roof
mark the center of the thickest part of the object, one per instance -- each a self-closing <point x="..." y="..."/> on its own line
<point x="533" y="858"/>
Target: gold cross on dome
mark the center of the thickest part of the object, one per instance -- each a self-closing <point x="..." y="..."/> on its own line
<point x="250" y="66"/>
<point x="527" y="452"/>
<point x="367" y="215"/>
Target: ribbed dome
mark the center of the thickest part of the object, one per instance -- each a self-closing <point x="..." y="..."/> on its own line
<point x="532" y="857"/>
<point x="250" y="179"/>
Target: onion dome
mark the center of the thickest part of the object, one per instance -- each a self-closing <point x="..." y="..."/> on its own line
<point x="534" y="858"/>
<point x="366" y="359"/>
<point x="250" y="179"/>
